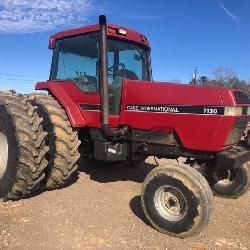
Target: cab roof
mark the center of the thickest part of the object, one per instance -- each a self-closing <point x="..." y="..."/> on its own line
<point x="114" y="31"/>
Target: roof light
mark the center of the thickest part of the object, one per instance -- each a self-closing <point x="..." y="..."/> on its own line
<point x="112" y="30"/>
<point x="122" y="32"/>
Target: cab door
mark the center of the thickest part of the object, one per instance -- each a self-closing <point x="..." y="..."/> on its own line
<point x="75" y="71"/>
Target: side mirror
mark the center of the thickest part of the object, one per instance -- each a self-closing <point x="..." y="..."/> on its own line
<point x="137" y="57"/>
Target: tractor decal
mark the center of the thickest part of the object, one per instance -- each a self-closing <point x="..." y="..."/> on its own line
<point x="201" y="110"/>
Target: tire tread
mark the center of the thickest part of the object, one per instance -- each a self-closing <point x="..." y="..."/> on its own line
<point x="63" y="141"/>
<point x="29" y="170"/>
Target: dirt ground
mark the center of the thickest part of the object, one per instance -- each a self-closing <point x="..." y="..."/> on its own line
<point x="101" y="209"/>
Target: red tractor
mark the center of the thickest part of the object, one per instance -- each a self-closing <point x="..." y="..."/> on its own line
<point x="103" y="104"/>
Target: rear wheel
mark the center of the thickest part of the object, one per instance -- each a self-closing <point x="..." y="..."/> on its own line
<point x="63" y="141"/>
<point x="230" y="183"/>
<point x="177" y="200"/>
<point x="22" y="147"/>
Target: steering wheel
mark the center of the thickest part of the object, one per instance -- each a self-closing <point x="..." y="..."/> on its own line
<point x="111" y="69"/>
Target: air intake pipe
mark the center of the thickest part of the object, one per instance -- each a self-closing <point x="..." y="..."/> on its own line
<point x="109" y="133"/>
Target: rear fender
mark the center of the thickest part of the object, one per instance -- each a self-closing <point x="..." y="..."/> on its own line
<point x="73" y="111"/>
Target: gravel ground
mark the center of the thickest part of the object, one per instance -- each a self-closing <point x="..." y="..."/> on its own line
<point x="101" y="209"/>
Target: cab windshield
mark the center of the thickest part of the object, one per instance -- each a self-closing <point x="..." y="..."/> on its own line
<point x="76" y="59"/>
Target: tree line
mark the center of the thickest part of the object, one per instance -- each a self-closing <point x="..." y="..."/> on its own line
<point x="223" y="77"/>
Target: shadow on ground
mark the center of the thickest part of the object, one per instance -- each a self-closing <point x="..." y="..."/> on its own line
<point x="104" y="173"/>
<point x="136" y="207"/>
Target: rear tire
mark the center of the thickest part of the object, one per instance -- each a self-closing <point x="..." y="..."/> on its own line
<point x="63" y="141"/>
<point x="23" y="149"/>
<point x="230" y="184"/>
<point x="177" y="200"/>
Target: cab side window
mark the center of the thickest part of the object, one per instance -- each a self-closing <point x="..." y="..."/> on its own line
<point x="76" y="60"/>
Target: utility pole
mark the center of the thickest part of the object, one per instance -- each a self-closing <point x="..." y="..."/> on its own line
<point x="195" y="76"/>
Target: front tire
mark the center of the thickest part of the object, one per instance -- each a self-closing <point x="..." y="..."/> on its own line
<point x="177" y="200"/>
<point x="230" y="183"/>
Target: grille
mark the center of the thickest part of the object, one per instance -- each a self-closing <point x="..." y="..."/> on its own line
<point x="241" y="97"/>
<point x="237" y="131"/>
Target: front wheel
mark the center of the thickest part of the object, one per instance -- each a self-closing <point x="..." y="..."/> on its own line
<point x="230" y="183"/>
<point x="177" y="200"/>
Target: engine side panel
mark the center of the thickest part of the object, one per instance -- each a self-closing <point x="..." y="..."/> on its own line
<point x="195" y="129"/>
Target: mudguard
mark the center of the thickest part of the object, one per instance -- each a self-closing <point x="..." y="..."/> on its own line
<point x="64" y="98"/>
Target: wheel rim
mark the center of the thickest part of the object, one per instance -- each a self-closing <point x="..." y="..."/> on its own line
<point x="3" y="152"/>
<point x="225" y="177"/>
<point x="170" y="203"/>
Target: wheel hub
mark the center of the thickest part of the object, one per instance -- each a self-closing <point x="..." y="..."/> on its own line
<point x="225" y="177"/>
<point x="3" y="153"/>
<point x="170" y="203"/>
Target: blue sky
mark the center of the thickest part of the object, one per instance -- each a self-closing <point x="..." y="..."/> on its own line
<point x="183" y="34"/>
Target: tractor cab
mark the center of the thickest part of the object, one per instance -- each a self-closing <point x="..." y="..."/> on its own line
<point x="76" y="58"/>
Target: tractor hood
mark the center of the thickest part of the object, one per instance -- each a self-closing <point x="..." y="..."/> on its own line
<point x="165" y="93"/>
<point x="201" y="117"/>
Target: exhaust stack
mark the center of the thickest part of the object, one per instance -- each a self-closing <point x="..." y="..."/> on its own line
<point x="108" y="132"/>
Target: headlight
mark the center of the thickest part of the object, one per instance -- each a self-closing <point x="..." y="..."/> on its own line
<point x="248" y="111"/>
<point x="233" y="111"/>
